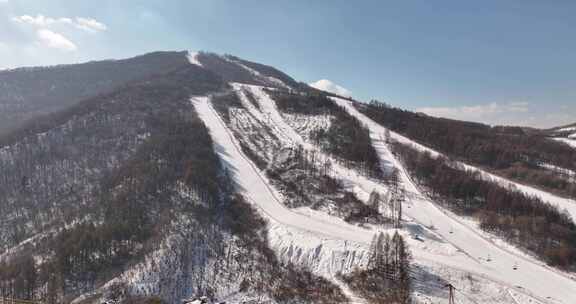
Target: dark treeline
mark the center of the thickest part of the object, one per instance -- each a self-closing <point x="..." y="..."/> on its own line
<point x="521" y="219"/>
<point x="305" y="180"/>
<point x="50" y="179"/>
<point x="174" y="84"/>
<point x="129" y="205"/>
<point x="387" y="278"/>
<point x="27" y="92"/>
<point x="268" y="71"/>
<point x="303" y="177"/>
<point x="167" y="183"/>
<point x="346" y="138"/>
<point x="513" y="152"/>
<point x="232" y="69"/>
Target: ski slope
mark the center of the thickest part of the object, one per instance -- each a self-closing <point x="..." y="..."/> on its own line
<point x="569" y="141"/>
<point x="531" y="275"/>
<point x="560" y="202"/>
<point x="531" y="279"/>
<point x="254" y="186"/>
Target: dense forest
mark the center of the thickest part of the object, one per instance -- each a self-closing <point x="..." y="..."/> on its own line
<point x="26" y="93"/>
<point x="523" y="220"/>
<point x="300" y="175"/>
<point x="512" y="152"/>
<point x="103" y="186"/>
<point x="306" y="181"/>
<point x="54" y="179"/>
<point x="387" y="277"/>
<point x="346" y="137"/>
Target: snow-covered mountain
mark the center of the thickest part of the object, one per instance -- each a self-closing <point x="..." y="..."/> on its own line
<point x="177" y="175"/>
<point x="565" y="134"/>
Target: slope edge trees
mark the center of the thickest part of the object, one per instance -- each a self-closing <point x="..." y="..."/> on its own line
<point x="346" y="138"/>
<point x="387" y="277"/>
<point x="304" y="182"/>
<point x="53" y="165"/>
<point x="517" y="153"/>
<point x="173" y="179"/>
<point x="107" y="226"/>
<point x="297" y="173"/>
<point x="29" y="92"/>
<point x="523" y="220"/>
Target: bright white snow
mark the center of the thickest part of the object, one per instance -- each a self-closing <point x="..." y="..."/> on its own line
<point x="193" y="58"/>
<point x="568" y="129"/>
<point x="560" y="202"/>
<point x="571" y="142"/>
<point x="533" y="276"/>
<point x="327" y="244"/>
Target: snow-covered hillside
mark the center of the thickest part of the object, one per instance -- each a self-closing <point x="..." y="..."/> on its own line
<point x="228" y="179"/>
<point x="327" y="244"/>
<point x="566" y="135"/>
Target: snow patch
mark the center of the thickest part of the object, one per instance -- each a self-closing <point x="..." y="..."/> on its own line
<point x="568" y="141"/>
<point x="193" y="58"/>
<point x="568" y="129"/>
<point x="266" y="79"/>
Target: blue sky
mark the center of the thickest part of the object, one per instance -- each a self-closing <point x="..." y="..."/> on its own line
<point x="494" y="61"/>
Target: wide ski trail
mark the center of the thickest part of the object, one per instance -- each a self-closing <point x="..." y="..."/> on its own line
<point x="255" y="188"/>
<point x="530" y="275"/>
<point x="530" y="278"/>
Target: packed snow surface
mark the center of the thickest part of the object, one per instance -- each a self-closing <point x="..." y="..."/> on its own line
<point x="193" y="58"/>
<point x="531" y="275"/>
<point x="560" y="202"/>
<point x="569" y="141"/>
<point x="330" y="244"/>
<point x="568" y="129"/>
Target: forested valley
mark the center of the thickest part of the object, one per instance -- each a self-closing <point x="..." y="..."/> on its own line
<point x="126" y="186"/>
<point x="519" y="218"/>
<point x="521" y="154"/>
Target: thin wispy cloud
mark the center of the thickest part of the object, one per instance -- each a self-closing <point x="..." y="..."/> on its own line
<point x="491" y="113"/>
<point x="40" y="20"/>
<point x="90" y="25"/>
<point x="53" y="33"/>
<point x="518" y="113"/>
<point x="476" y="111"/>
<point x="85" y="24"/>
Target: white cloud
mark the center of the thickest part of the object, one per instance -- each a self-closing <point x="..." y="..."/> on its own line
<point x="54" y="40"/>
<point x="41" y="21"/>
<point x="512" y="113"/>
<point x="475" y="112"/>
<point x="51" y="32"/>
<point x="329" y="86"/>
<point x="90" y="25"/>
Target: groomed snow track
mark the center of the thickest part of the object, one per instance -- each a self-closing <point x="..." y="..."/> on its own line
<point x="540" y="281"/>
<point x="531" y="278"/>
